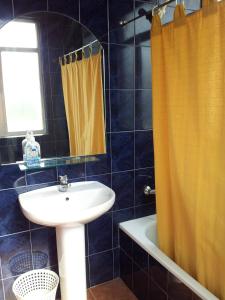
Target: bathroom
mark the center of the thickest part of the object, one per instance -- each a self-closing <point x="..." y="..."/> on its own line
<point x="118" y="265"/>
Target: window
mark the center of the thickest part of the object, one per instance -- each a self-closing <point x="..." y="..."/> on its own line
<point x="21" y="103"/>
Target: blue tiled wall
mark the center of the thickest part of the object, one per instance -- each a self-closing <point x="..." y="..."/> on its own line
<point x="128" y="164"/>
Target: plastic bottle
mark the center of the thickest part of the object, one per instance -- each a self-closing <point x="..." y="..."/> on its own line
<point x="32" y="151"/>
<point x="24" y="142"/>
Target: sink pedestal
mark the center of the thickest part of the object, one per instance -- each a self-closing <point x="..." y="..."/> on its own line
<point x="71" y="261"/>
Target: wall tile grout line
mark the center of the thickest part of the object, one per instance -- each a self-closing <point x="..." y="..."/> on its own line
<point x="131" y="131"/>
<point x="88" y="250"/>
<point x="131" y="89"/>
<point x="105" y="251"/>
<point x="132" y="259"/>
<point x="79" y="11"/>
<point x="15" y="233"/>
<point x="134" y="200"/>
<point x="10" y="277"/>
<point x="3" y="287"/>
<point x="162" y="290"/>
<point x="21" y="232"/>
<point x="89" y="270"/>
<point x="31" y="246"/>
<point x="13" y="10"/>
<point x="127" y="45"/>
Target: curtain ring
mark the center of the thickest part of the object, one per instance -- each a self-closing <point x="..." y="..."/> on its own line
<point x="76" y="58"/>
<point x="155" y="10"/>
<point x="83" y="53"/>
<point x="71" y="58"/>
<point x="65" y="60"/>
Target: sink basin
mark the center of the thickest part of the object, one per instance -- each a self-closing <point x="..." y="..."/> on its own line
<point x="82" y="203"/>
<point x="68" y="212"/>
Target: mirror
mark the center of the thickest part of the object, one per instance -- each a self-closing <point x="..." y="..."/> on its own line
<point x="30" y="72"/>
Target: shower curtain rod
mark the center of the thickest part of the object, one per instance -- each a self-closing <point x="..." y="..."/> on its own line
<point x="81" y="48"/>
<point x="148" y="14"/>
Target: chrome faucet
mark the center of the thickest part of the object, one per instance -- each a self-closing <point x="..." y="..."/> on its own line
<point x="63" y="183"/>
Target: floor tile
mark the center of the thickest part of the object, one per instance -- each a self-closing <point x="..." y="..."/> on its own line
<point x="112" y="290"/>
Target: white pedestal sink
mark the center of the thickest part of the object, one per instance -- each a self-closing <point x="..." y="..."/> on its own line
<point x="68" y="212"/>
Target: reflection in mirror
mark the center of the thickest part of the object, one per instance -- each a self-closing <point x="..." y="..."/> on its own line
<point x="31" y="90"/>
<point x="24" y="262"/>
<point x="83" y="97"/>
<point x="22" y="104"/>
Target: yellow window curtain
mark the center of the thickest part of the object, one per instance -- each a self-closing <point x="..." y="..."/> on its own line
<point x="189" y="140"/>
<point x="84" y="104"/>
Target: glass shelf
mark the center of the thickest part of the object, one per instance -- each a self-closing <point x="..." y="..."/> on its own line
<point x="57" y="161"/>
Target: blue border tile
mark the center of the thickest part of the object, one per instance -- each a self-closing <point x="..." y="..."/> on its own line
<point x="121" y="67"/>
<point x="102" y="241"/>
<point x="144" y="154"/>
<point x="123" y="186"/>
<point x="104" y="262"/>
<point x="122" y="151"/>
<point x="122" y="110"/>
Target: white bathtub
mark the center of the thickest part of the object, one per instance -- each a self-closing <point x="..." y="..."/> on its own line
<point x="143" y="232"/>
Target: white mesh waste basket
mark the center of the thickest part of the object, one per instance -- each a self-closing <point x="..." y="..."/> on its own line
<point x="36" y="285"/>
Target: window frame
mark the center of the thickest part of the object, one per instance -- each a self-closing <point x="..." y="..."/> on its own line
<point x="4" y="133"/>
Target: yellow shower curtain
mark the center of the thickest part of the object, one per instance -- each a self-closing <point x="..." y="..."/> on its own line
<point x="188" y="58"/>
<point x="83" y="98"/>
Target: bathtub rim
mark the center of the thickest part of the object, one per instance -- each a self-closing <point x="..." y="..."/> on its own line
<point x="136" y="230"/>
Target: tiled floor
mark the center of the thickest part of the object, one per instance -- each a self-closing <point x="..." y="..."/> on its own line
<point x="112" y="290"/>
